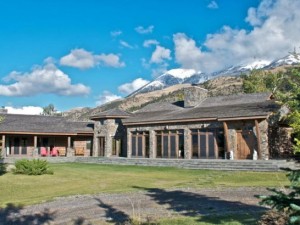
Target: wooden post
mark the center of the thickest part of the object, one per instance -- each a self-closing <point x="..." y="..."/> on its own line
<point x="3" y="150"/>
<point x="226" y="136"/>
<point x="69" y="142"/>
<point x="35" y="142"/>
<point x="258" y="139"/>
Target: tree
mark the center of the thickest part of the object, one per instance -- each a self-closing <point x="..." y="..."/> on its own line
<point x="50" y="111"/>
<point x="287" y="202"/>
<point x="285" y="87"/>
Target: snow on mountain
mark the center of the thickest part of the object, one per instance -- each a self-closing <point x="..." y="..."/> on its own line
<point x="245" y="68"/>
<point x="291" y="59"/>
<point x="185" y="76"/>
<point x="173" y="77"/>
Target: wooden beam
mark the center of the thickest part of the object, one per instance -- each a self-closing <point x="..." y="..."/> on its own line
<point x="258" y="137"/>
<point x="226" y="136"/>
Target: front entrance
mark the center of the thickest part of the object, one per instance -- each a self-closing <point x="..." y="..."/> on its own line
<point x="245" y="144"/>
<point x="101" y="146"/>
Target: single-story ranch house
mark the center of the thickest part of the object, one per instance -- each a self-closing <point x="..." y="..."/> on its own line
<point x="199" y="127"/>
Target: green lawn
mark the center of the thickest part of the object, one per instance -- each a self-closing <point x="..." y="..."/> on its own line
<point x="75" y="178"/>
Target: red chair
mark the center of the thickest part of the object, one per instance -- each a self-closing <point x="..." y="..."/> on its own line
<point x="54" y="152"/>
<point x="43" y="151"/>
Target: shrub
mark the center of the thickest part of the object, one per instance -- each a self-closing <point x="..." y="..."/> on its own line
<point x="286" y="202"/>
<point x="32" y="167"/>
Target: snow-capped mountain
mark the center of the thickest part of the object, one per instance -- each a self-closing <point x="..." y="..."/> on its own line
<point x="291" y="59"/>
<point x="245" y="68"/>
<point x="173" y="77"/>
<point x="185" y="76"/>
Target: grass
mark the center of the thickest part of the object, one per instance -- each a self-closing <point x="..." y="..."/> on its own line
<point x="75" y="178"/>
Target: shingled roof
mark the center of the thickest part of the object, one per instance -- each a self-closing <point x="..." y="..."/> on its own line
<point x="112" y="113"/>
<point x="216" y="108"/>
<point x="16" y="123"/>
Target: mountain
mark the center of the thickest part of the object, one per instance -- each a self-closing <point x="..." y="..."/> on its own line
<point x="169" y="86"/>
<point x="245" y="68"/>
<point x="289" y="60"/>
<point x="173" y="77"/>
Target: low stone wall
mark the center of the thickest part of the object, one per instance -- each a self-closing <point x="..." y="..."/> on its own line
<point x="211" y="164"/>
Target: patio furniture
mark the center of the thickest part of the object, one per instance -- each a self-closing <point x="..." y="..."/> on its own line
<point x="44" y="151"/>
<point x="54" y="152"/>
<point x="79" y="151"/>
<point x="61" y="151"/>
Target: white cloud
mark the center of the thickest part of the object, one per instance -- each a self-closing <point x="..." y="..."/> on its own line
<point x="82" y="59"/>
<point x="186" y="52"/>
<point x="142" y="30"/>
<point x="125" y="44"/>
<point x="275" y="31"/>
<point x="128" y="88"/>
<point x="105" y="97"/>
<point x="116" y="33"/>
<point x="41" y="79"/>
<point x="28" y="110"/>
<point x="148" y="43"/>
<point x="160" y="54"/>
<point x="110" y="60"/>
<point x="213" y="5"/>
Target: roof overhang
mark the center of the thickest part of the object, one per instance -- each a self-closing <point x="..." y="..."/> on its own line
<point x="44" y="133"/>
<point x="194" y="120"/>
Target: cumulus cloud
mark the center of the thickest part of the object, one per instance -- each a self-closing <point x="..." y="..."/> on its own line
<point x="146" y="30"/>
<point x="41" y="79"/>
<point x="160" y="54"/>
<point x="213" y="5"/>
<point x="275" y="31"/>
<point x="125" y="44"/>
<point x="115" y="33"/>
<point x="148" y="43"/>
<point x="28" y="110"/>
<point x="187" y="54"/>
<point x="105" y="97"/>
<point x="82" y="59"/>
<point x="128" y="88"/>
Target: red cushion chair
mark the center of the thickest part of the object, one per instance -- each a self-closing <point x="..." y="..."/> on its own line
<point x="43" y="151"/>
<point x="54" y="152"/>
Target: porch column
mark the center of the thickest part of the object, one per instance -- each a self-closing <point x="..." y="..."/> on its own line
<point x="129" y="150"/>
<point x="226" y="134"/>
<point x="3" y="150"/>
<point x="258" y="137"/>
<point x="35" y="150"/>
<point x="152" y="144"/>
<point x="187" y="143"/>
<point x="70" y="151"/>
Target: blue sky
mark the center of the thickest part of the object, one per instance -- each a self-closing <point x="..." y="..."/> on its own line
<point x="85" y="53"/>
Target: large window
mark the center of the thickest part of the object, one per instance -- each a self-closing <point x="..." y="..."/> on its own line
<point x="169" y="144"/>
<point x="140" y="144"/>
<point x="207" y="143"/>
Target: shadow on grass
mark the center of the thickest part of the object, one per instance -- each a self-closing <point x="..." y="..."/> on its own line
<point x="113" y="215"/>
<point x="207" y="209"/>
<point x="10" y="215"/>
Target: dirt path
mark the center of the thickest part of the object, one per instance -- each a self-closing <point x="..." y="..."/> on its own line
<point x="145" y="203"/>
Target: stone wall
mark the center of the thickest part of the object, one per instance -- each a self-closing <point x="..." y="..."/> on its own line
<point x="280" y="142"/>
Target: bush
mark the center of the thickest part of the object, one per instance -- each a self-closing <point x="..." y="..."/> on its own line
<point x="286" y="202"/>
<point x="32" y="167"/>
<point x="2" y="165"/>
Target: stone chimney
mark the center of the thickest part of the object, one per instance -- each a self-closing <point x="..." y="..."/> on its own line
<point x="194" y="95"/>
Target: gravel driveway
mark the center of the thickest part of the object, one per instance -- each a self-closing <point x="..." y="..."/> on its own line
<point x="145" y="203"/>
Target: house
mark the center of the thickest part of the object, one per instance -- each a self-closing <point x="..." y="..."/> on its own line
<point x="199" y="127"/>
<point x="26" y="135"/>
